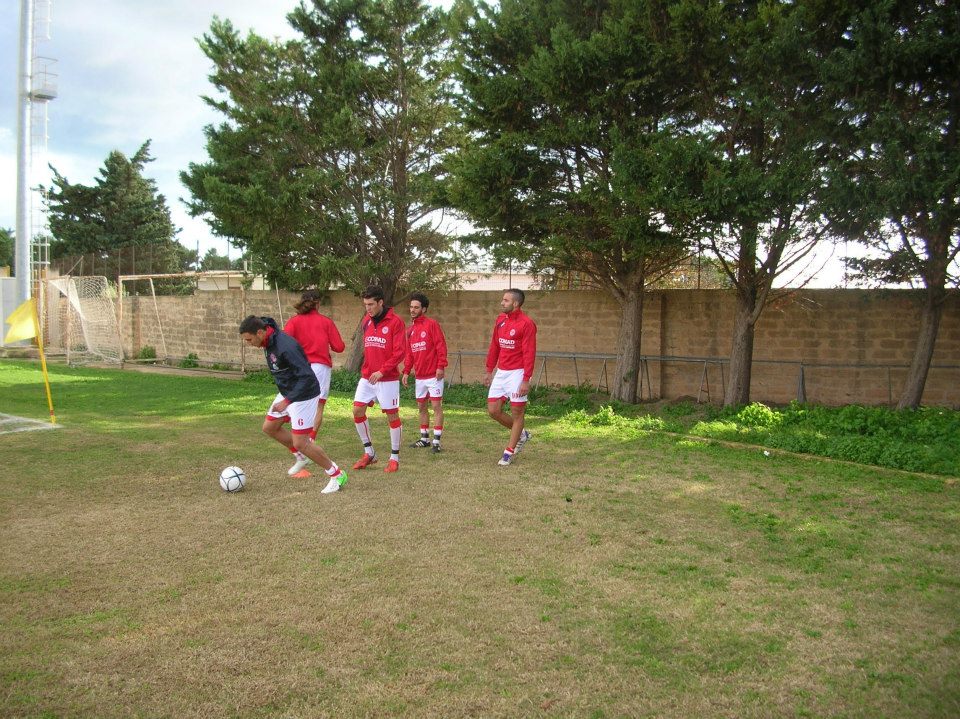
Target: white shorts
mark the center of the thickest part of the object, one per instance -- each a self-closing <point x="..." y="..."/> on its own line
<point x="430" y="386"/>
<point x="505" y="385"/>
<point x="300" y="414"/>
<point x="387" y="394"/>
<point x="322" y="372"/>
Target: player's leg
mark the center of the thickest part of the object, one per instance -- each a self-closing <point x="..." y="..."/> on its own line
<point x="518" y="408"/>
<point x="388" y="396"/>
<point x="302" y="417"/>
<point x="495" y="410"/>
<point x="322" y="372"/>
<point x="517" y="412"/>
<point x="361" y="400"/>
<point x="420" y="392"/>
<point x="436" y="399"/>
<point x="496" y="396"/>
<point x="273" y="427"/>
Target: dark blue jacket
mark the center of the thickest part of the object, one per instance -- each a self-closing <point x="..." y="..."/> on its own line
<point x="289" y="366"/>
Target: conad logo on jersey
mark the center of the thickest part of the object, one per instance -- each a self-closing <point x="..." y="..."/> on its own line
<point x="418" y="346"/>
<point x="507" y="344"/>
<point x="375" y="341"/>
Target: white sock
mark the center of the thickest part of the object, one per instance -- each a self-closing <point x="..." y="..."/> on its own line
<point x="363" y="429"/>
<point x="395" y="432"/>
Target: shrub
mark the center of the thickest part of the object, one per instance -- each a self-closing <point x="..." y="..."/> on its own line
<point x="757" y="415"/>
<point x="190" y="361"/>
<point x="147" y="352"/>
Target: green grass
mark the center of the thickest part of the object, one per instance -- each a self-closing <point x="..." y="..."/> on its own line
<point x="611" y="572"/>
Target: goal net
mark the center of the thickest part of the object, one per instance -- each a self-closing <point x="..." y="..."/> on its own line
<point x="80" y="319"/>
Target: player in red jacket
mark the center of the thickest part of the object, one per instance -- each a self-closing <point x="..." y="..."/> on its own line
<point x="383" y="350"/>
<point x="318" y="335"/>
<point x="513" y="352"/>
<point x="426" y="357"/>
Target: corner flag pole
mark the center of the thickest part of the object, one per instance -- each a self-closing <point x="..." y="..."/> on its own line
<point x="24" y="325"/>
<point x="43" y="361"/>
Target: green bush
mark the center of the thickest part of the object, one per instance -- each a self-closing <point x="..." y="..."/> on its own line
<point x="147" y="352"/>
<point x="757" y="415"/>
<point x="190" y="361"/>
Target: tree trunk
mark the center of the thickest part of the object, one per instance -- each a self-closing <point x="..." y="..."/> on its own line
<point x="923" y="353"/>
<point x="355" y="356"/>
<point x="627" y="372"/>
<point x="741" y="353"/>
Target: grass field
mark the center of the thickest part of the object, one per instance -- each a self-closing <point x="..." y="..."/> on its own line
<point x="604" y="575"/>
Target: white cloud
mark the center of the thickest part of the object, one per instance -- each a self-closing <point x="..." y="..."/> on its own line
<point x="127" y="72"/>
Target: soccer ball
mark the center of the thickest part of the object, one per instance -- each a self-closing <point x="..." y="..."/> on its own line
<point x="232" y="479"/>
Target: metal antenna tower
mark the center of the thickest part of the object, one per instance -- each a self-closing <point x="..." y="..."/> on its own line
<point x="36" y="87"/>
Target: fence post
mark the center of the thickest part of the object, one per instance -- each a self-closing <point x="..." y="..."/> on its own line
<point x="603" y="376"/>
<point x="704" y="377"/>
<point x="541" y="373"/>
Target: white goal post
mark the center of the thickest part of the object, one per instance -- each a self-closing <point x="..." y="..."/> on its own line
<point x="79" y="319"/>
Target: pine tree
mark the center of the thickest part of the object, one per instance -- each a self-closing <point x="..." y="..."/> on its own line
<point x="895" y="185"/>
<point x="122" y="209"/>
<point x="582" y="151"/>
<point x="327" y="165"/>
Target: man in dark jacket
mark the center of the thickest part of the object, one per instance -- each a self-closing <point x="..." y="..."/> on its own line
<point x="298" y="394"/>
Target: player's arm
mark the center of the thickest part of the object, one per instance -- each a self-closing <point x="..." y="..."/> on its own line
<point x="493" y="353"/>
<point x="441" y="344"/>
<point x="407" y="360"/>
<point x="333" y="336"/>
<point x="528" y="346"/>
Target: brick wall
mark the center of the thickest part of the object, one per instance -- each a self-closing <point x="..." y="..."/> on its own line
<point x="820" y="327"/>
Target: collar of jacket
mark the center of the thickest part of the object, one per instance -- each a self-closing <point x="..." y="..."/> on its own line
<point x="382" y="316"/>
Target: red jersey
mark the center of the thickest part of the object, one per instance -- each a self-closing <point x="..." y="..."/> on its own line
<point x="514" y="343"/>
<point x="317" y="334"/>
<point x="383" y="346"/>
<point x="426" y="348"/>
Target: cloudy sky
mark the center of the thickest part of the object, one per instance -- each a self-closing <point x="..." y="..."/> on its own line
<point x="127" y="72"/>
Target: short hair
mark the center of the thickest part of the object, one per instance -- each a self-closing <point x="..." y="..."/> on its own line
<point x="252" y="324"/>
<point x="373" y="292"/>
<point x="517" y="295"/>
<point x="421" y="298"/>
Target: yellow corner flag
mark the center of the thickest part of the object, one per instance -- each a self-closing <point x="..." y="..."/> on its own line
<point x="23" y="322"/>
<point x="23" y="326"/>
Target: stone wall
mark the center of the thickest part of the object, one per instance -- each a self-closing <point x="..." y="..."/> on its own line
<point x="686" y="335"/>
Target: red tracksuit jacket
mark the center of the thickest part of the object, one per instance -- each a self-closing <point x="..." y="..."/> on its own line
<point x="317" y="334"/>
<point x="514" y="344"/>
<point x="383" y="346"/>
<point x="426" y="348"/>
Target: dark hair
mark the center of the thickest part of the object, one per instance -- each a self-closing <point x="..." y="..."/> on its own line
<point x="372" y="293"/>
<point x="517" y="295"/>
<point x="308" y="301"/>
<point x="252" y="325"/>
<point x="421" y="298"/>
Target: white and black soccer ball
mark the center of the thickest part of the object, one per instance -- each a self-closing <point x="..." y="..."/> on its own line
<point x="232" y="479"/>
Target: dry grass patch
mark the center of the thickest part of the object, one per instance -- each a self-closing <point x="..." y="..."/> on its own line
<point x="601" y="576"/>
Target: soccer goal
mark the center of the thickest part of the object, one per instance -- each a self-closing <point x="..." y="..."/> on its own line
<point x="79" y="319"/>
